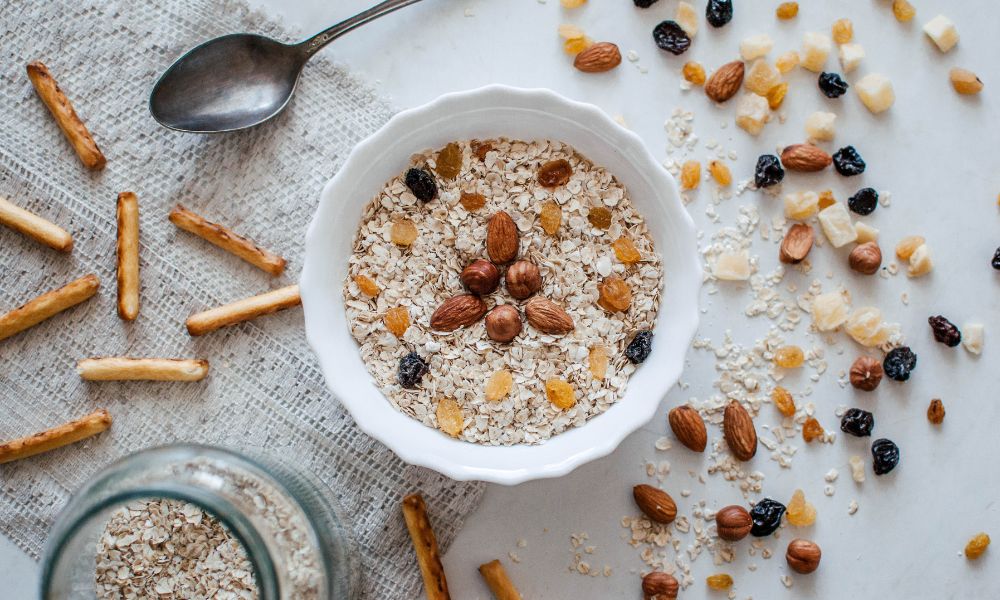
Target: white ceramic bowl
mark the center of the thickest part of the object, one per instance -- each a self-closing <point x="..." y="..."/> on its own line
<point x="496" y="111"/>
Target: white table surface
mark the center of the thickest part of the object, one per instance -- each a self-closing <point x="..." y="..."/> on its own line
<point x="935" y="151"/>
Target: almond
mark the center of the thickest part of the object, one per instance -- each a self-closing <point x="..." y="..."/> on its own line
<point x="547" y="316"/>
<point x="600" y="57"/>
<point x="737" y="426"/>
<point x="796" y="244"/>
<point x="724" y="83"/>
<point x="502" y="239"/>
<point x="689" y="427"/>
<point x="805" y="157"/>
<point x="655" y="503"/>
<point x="733" y="523"/>
<point x="459" y="311"/>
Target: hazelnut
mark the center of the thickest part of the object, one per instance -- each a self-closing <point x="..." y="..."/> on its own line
<point x="866" y="373"/>
<point x="503" y="323"/>
<point x="659" y="586"/>
<point x="733" y="523"/>
<point x="481" y="277"/>
<point x="523" y="279"/>
<point x="803" y="556"/>
<point x="866" y="258"/>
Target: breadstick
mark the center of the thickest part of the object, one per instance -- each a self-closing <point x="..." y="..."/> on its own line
<point x="227" y="240"/>
<point x="127" y="250"/>
<point x="48" y="305"/>
<point x="243" y="310"/>
<point x="35" y="227"/>
<point x="496" y="577"/>
<point x="62" y="111"/>
<point x="424" y="542"/>
<point x="115" y="368"/>
<point x="57" y="437"/>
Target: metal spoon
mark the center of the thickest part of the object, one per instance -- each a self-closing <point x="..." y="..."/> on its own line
<point x="241" y="80"/>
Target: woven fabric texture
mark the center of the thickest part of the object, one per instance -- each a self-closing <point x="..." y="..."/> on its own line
<point x="264" y="388"/>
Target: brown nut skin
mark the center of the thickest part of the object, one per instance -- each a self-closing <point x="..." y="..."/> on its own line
<point x="733" y="523"/>
<point x="523" y="279"/>
<point x="865" y="258"/>
<point x="655" y="503"/>
<point x="803" y="556"/>
<point x="481" y="277"/>
<point x="503" y="323"/>
<point x="866" y="373"/>
<point x="688" y="427"/>
<point x="659" y="586"/>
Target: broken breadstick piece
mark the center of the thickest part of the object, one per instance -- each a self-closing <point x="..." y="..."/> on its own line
<point x="425" y="544"/>
<point x="243" y="310"/>
<point x="116" y="368"/>
<point x="35" y="227"/>
<point x="57" y="437"/>
<point x="127" y="250"/>
<point x="62" y="111"/>
<point x="496" y="577"/>
<point x="48" y="305"/>
<point x="227" y="240"/>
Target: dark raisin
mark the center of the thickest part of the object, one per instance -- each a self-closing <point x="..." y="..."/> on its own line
<point x="832" y="84"/>
<point x="639" y="348"/>
<point x="719" y="12"/>
<point x="411" y="370"/>
<point x="864" y="202"/>
<point x="899" y="362"/>
<point x="885" y="456"/>
<point x="422" y="184"/>
<point x="671" y="37"/>
<point x="644" y="3"/>
<point x="768" y="171"/>
<point x="857" y="422"/>
<point x="945" y="331"/>
<point x="848" y="162"/>
<point x="766" y="516"/>
<point x="996" y="259"/>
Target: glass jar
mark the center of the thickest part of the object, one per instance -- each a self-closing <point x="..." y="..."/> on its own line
<point x="298" y="545"/>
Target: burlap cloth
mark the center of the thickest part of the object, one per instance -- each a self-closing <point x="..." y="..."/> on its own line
<point x="264" y="388"/>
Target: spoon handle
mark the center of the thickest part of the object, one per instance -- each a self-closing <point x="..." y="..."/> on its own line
<point x="317" y="42"/>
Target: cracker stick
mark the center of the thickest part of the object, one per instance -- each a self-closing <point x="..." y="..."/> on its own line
<point x="62" y="111"/>
<point x="243" y="310"/>
<point x="119" y="368"/>
<point x="227" y="240"/>
<point x="496" y="577"/>
<point x="48" y="305"/>
<point x="35" y="227"/>
<point x="127" y="250"/>
<point x="424" y="542"/>
<point x="57" y="437"/>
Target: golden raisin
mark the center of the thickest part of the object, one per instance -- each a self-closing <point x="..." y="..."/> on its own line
<point x="550" y="217"/>
<point x="843" y="31"/>
<point x="560" y="393"/>
<point x="615" y="294"/>
<point x="789" y="357"/>
<point x="598" y="362"/>
<point x="568" y="31"/>
<point x="449" y="161"/>
<point x="690" y="175"/>
<point x="776" y="95"/>
<point x="472" y="201"/>
<point x="555" y="173"/>
<point x="397" y="320"/>
<point x="572" y="3"/>
<point x="499" y="385"/>
<point x="720" y="172"/>
<point x="366" y="285"/>
<point x="903" y="10"/>
<point x="907" y="246"/>
<point x="403" y="232"/>
<point x="719" y="581"/>
<point x="935" y="412"/>
<point x="480" y="148"/>
<point x="449" y="417"/>
<point x="787" y="10"/>
<point x="693" y="73"/>
<point x="965" y="81"/>
<point x="977" y="546"/>
<point x="599" y="217"/>
<point x="799" y="512"/>
<point x="811" y="430"/>
<point x="826" y="199"/>
<point x="626" y="251"/>
<point x="574" y="46"/>
<point x="783" y="401"/>
<point x="787" y="61"/>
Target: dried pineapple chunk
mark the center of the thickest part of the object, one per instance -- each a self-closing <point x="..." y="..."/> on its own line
<point x="732" y="266"/>
<point x="837" y="225"/>
<point x="829" y="311"/>
<point x="752" y="113"/>
<point x="876" y="92"/>
<point x="815" y="50"/>
<point x="801" y="205"/>
<point x="942" y="32"/>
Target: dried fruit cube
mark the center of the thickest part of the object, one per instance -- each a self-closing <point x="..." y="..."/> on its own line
<point x="560" y="393"/>
<point x="837" y="225"/>
<point x="787" y="62"/>
<point x="687" y="17"/>
<point x="965" y="81"/>
<point x="942" y="32"/>
<point x="449" y="417"/>
<point x="499" y="385"/>
<point x="800" y="513"/>
<point x="857" y="468"/>
<point x="761" y="77"/>
<point x="801" y="205"/>
<point x="472" y="201"/>
<point x="572" y="3"/>
<point x="403" y="232"/>
<point x="815" y="49"/>
<point x="820" y="125"/>
<point x="720" y="172"/>
<point x="876" y="93"/>
<point x="920" y="262"/>
<point x="599" y="217"/>
<point x="812" y="430"/>
<point x="367" y="286"/>
<point x="829" y="311"/>
<point x="550" y="217"/>
<point x="732" y="266"/>
<point x="850" y="56"/>
<point x="756" y="46"/>
<point x="693" y="73"/>
<point x="789" y="357"/>
<point x="787" y="10"/>
<point x="569" y="32"/>
<point x="614" y="294"/>
<point x="574" y="46"/>
<point x="826" y="198"/>
<point x="449" y="161"/>
<point x="776" y="95"/>
<point x="598" y="362"/>
<point x="719" y="581"/>
<point x="907" y="245"/>
<point x="973" y="337"/>
<point x="397" y="320"/>
<point x="903" y="10"/>
<point x="752" y="113"/>
<point x="783" y="401"/>
<point x="866" y="233"/>
<point x="690" y="175"/>
<point x="865" y="327"/>
<point x="843" y="31"/>
<point x="977" y="546"/>
<point x="626" y="251"/>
